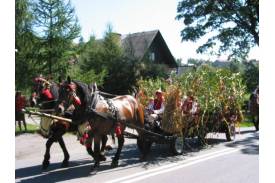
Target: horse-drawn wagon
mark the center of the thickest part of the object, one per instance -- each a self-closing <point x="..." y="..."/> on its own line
<point x="213" y="98"/>
<point x="113" y="115"/>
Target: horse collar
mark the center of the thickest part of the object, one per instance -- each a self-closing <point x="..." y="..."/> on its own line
<point x="76" y="99"/>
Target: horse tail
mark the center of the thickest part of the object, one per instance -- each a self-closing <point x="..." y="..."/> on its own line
<point x="139" y="115"/>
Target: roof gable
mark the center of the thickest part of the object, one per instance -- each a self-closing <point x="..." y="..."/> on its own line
<point x="137" y="45"/>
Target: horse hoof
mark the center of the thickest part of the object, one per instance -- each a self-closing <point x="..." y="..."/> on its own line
<point x="114" y="164"/>
<point x="93" y="170"/>
<point x="108" y="148"/>
<point x="142" y="158"/>
<point x="64" y="164"/>
<point x="45" y="165"/>
<point x="102" y="158"/>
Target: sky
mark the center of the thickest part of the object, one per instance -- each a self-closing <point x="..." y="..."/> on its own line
<point x="131" y="16"/>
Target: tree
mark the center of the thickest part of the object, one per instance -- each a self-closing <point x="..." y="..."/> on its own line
<point x="122" y="71"/>
<point x="197" y="62"/>
<point x="236" y="66"/>
<point x="251" y="75"/>
<point x="57" y="26"/>
<point x="25" y="44"/>
<point x="234" y="23"/>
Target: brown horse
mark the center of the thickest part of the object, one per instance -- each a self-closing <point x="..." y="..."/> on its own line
<point x="104" y="116"/>
<point x="54" y="131"/>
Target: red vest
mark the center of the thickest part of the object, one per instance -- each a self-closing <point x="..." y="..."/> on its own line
<point x="47" y="93"/>
<point x="20" y="103"/>
<point x="157" y="104"/>
<point x="187" y="106"/>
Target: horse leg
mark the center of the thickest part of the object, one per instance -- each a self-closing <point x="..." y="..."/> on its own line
<point x="46" y="161"/>
<point x="90" y="151"/>
<point x="65" y="162"/>
<point x="96" y="153"/>
<point x="104" y="140"/>
<point x="89" y="147"/>
<point x="117" y="155"/>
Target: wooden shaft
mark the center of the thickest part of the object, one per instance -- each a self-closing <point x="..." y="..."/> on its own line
<point x="48" y="116"/>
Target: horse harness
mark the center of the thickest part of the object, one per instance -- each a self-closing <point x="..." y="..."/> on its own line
<point x="112" y="111"/>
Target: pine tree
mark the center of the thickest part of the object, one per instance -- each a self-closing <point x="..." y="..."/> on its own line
<point x="57" y="26"/>
<point x="25" y="44"/>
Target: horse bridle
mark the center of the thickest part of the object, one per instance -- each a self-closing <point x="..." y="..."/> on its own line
<point x="72" y="96"/>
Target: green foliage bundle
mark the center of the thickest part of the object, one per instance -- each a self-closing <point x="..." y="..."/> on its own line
<point x="212" y="87"/>
<point x="172" y="119"/>
<point x="217" y="91"/>
<point x="148" y="87"/>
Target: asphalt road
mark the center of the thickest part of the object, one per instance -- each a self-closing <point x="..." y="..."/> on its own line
<point x="220" y="162"/>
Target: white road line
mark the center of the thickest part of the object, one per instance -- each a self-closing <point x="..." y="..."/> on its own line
<point x="173" y="166"/>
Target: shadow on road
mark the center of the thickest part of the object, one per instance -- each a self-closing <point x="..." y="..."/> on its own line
<point x="129" y="158"/>
<point x="54" y="173"/>
<point x="248" y="145"/>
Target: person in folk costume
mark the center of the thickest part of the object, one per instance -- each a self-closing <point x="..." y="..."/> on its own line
<point x="150" y="106"/>
<point x="46" y="92"/>
<point x="33" y="99"/>
<point x="20" y="103"/>
<point x="189" y="105"/>
<point x="190" y="109"/>
<point x="157" y="106"/>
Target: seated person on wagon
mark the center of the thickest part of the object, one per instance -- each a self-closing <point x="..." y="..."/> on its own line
<point x="156" y="106"/>
<point x="190" y="106"/>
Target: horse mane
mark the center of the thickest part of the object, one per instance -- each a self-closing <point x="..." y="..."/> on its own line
<point x="84" y="92"/>
<point x="54" y="90"/>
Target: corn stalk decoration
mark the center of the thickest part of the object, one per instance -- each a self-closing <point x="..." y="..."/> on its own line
<point x="219" y="92"/>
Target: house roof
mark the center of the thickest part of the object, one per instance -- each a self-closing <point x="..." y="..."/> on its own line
<point x="141" y="41"/>
<point x="137" y="44"/>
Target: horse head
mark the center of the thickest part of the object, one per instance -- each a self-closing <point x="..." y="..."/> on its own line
<point x="44" y="92"/>
<point x="74" y="96"/>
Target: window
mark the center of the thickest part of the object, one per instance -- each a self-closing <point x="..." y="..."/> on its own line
<point x="152" y="56"/>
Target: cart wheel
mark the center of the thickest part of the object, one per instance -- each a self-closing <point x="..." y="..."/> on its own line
<point x="177" y="146"/>
<point x="140" y="144"/>
<point x="144" y="146"/>
<point x="230" y="132"/>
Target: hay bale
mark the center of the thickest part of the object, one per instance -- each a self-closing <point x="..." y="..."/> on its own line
<point x="172" y="118"/>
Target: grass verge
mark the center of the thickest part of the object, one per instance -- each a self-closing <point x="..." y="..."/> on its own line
<point x="30" y="129"/>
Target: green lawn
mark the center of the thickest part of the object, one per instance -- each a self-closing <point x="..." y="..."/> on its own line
<point x="246" y="124"/>
<point x="30" y="129"/>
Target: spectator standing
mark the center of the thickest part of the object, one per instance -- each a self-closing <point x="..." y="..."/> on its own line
<point x="20" y="103"/>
